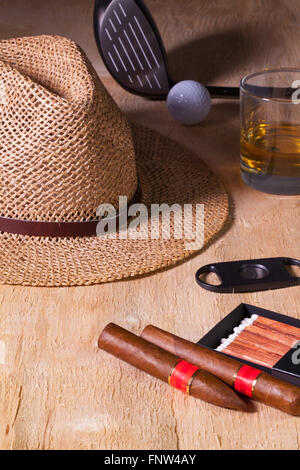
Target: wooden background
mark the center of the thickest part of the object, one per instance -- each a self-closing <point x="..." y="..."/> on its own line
<point x="57" y="391"/>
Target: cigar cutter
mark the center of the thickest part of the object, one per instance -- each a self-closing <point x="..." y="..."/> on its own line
<point x="250" y="275"/>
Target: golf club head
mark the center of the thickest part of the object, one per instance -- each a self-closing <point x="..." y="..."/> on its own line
<point x="131" y="47"/>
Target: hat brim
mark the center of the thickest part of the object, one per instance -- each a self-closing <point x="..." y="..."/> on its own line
<point x="169" y="174"/>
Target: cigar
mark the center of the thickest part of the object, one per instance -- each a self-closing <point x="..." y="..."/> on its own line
<point x="167" y="367"/>
<point x="245" y="379"/>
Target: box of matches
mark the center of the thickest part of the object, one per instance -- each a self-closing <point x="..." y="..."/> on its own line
<point x="260" y="338"/>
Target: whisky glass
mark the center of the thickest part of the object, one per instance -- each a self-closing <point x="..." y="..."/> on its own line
<point x="270" y="131"/>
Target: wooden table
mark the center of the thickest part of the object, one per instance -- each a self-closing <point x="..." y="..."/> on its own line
<point x="57" y="391"/>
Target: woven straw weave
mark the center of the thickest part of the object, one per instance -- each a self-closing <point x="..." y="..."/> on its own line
<point x="66" y="148"/>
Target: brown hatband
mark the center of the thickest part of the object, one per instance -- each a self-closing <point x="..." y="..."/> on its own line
<point x="60" y="229"/>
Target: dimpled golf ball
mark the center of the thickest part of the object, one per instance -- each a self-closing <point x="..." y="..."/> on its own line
<point x="189" y="102"/>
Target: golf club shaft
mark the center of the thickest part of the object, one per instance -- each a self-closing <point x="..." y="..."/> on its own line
<point x="259" y="91"/>
<point x="224" y="92"/>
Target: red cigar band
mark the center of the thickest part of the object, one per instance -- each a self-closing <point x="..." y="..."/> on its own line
<point x="245" y="380"/>
<point x="182" y="374"/>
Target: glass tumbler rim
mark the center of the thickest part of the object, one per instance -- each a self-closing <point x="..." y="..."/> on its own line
<point x="267" y="71"/>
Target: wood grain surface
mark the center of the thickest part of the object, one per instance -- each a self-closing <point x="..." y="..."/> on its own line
<point x="57" y="390"/>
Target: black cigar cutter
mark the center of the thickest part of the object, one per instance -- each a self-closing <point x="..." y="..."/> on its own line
<point x="250" y="275"/>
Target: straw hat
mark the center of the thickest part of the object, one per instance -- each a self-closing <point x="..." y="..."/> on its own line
<point x="66" y="149"/>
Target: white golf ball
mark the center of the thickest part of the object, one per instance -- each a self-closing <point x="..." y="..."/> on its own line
<point x="189" y="102"/>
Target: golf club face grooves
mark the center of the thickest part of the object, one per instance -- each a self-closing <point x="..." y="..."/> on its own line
<point x="131" y="48"/>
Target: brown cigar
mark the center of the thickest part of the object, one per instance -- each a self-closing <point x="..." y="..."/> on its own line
<point x="264" y="387"/>
<point x="165" y="366"/>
